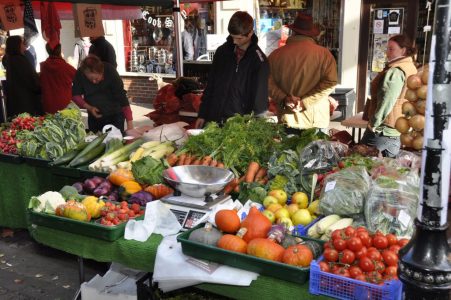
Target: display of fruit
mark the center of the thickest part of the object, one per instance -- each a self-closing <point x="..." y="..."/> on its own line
<point x="411" y="125"/>
<point x="114" y="214"/>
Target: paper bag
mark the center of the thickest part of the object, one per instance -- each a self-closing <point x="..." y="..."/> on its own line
<point x="11" y="15"/>
<point x="88" y="20"/>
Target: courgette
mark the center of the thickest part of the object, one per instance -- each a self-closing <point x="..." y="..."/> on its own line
<point x="69" y="156"/>
<point x="88" y="157"/>
<point x="94" y="144"/>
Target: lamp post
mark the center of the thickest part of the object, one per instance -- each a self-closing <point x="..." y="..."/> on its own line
<point x="425" y="265"/>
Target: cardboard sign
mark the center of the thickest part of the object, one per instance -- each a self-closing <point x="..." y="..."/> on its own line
<point x="88" y="20"/>
<point x="11" y="15"/>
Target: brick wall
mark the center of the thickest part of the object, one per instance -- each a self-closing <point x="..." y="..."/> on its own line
<point x="140" y="89"/>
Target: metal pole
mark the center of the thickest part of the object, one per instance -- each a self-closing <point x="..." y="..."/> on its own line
<point x="425" y="265"/>
<point x="178" y="39"/>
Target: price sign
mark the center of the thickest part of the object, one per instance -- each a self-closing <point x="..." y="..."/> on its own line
<point x="158" y="21"/>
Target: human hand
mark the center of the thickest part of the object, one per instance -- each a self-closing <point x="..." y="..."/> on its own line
<point x="94" y="111"/>
<point x="199" y="123"/>
<point x="292" y="102"/>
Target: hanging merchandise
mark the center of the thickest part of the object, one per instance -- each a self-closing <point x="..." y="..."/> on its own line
<point x="11" y="15"/>
<point x="88" y="20"/>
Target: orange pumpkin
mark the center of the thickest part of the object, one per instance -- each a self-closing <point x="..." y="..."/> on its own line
<point x="159" y="190"/>
<point x="233" y="243"/>
<point x="266" y="249"/>
<point x="119" y="176"/>
<point x="257" y="225"/>
<point x="298" y="255"/>
<point x="227" y="220"/>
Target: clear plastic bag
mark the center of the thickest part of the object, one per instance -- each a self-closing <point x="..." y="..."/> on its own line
<point x="392" y="201"/>
<point x="344" y="192"/>
<point x="322" y="154"/>
<point x="409" y="159"/>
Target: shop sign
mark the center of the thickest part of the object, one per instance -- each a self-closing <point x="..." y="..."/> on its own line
<point x="157" y="21"/>
<point x="11" y="15"/>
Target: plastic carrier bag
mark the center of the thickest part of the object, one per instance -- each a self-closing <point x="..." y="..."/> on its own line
<point x="392" y="201"/>
<point x="322" y="154"/>
<point x="344" y="192"/>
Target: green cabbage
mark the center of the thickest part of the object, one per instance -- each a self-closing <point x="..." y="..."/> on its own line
<point x="148" y="170"/>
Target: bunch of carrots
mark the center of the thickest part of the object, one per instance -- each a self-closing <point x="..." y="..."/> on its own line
<point x="186" y="159"/>
<point x="254" y="173"/>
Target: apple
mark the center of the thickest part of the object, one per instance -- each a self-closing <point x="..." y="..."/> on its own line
<point x="268" y="200"/>
<point x="300" y="198"/>
<point x="280" y="195"/>
<point x="274" y="207"/>
<point x="285" y="222"/>
<point x="270" y="215"/>
<point x="282" y="212"/>
<point x="301" y="217"/>
<point x="313" y="208"/>
<point x="292" y="208"/>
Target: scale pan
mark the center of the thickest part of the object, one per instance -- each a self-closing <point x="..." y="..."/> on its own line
<point x="197" y="181"/>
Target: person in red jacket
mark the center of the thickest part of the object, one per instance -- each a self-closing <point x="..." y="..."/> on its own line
<point x="56" y="80"/>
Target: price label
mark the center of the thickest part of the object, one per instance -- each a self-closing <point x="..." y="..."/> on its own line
<point x="404" y="218"/>
<point x="330" y="186"/>
<point x="310" y="163"/>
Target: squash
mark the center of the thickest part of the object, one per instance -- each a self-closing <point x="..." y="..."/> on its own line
<point x="233" y="243"/>
<point x="73" y="210"/>
<point x="206" y="235"/>
<point x="290" y="240"/>
<point x="93" y="206"/>
<point x="227" y="220"/>
<point x="298" y="255"/>
<point x="128" y="188"/>
<point x="159" y="190"/>
<point x="265" y="248"/>
<point x="257" y="225"/>
<point x="119" y="176"/>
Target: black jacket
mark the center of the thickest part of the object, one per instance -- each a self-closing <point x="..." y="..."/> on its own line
<point x="104" y="50"/>
<point x="236" y="88"/>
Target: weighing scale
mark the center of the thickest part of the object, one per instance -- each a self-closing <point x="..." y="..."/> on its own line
<point x="191" y="211"/>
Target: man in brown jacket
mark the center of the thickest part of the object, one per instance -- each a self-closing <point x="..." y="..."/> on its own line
<point x="302" y="76"/>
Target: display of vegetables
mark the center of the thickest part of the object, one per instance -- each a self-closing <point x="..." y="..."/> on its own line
<point x="47" y="202"/>
<point x="16" y="131"/>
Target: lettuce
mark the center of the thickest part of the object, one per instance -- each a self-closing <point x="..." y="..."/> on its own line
<point x="148" y="170"/>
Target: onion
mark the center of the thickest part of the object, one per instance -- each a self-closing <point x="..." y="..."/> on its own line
<point x="414" y="82"/>
<point x="425" y="76"/>
<point x="407" y="139"/>
<point x="408" y="109"/>
<point x="417" y="122"/>
<point x="402" y="125"/>
<point x="411" y="95"/>
<point x="421" y="106"/>
<point x="422" y="92"/>
<point x="417" y="143"/>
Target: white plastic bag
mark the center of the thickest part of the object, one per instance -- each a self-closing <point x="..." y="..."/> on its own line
<point x="113" y="133"/>
<point x="173" y="132"/>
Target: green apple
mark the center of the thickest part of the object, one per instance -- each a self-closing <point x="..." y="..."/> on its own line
<point x="270" y="215"/>
<point x="300" y="198"/>
<point x="282" y="213"/>
<point x="280" y="195"/>
<point x="268" y="200"/>
<point x="301" y="217"/>
<point x="285" y="222"/>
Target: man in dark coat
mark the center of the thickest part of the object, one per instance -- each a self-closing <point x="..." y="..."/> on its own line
<point x="238" y="81"/>
<point x="101" y="48"/>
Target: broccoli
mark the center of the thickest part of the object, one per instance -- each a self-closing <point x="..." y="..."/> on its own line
<point x="69" y="192"/>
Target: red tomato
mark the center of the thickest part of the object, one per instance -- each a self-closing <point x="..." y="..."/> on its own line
<point x="326" y="245"/>
<point x="331" y="255"/>
<point x="365" y="238"/>
<point x="403" y="242"/>
<point x="366" y="264"/>
<point x="380" y="242"/>
<point x="361" y="252"/>
<point x="361" y="229"/>
<point x="324" y="266"/>
<point x="392" y="239"/>
<point x="394" y="248"/>
<point x="337" y="233"/>
<point x="342" y="271"/>
<point x="380" y="266"/>
<point x="355" y="271"/>
<point x="361" y="277"/>
<point x="350" y="231"/>
<point x="387" y="277"/>
<point x="374" y="277"/>
<point x="339" y="244"/>
<point x="391" y="270"/>
<point x="374" y="255"/>
<point x="347" y="257"/>
<point x="354" y="244"/>
<point x="390" y="258"/>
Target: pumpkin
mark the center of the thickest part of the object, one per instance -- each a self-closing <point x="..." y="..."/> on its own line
<point x="206" y="235"/>
<point x="128" y="188"/>
<point x="233" y="243"/>
<point x="227" y="220"/>
<point x="257" y="225"/>
<point x="265" y="248"/>
<point x="119" y="176"/>
<point x="298" y="255"/>
<point x="159" y="190"/>
<point x="290" y="240"/>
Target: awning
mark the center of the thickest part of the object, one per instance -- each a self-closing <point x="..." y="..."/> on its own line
<point x="164" y="3"/>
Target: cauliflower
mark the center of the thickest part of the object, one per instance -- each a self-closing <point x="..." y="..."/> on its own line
<point x="47" y="202"/>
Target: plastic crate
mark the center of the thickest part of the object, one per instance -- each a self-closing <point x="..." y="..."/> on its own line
<point x="323" y="283"/>
<point x="301" y="230"/>
<point x="10" y="158"/>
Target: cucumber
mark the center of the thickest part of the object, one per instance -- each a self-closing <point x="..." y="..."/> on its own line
<point x="88" y="157"/>
<point x="65" y="158"/>
<point x="82" y="145"/>
<point x="95" y="143"/>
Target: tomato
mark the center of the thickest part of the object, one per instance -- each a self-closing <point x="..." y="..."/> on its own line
<point x="342" y="271"/>
<point x="361" y="229"/>
<point x="331" y="255"/>
<point x="374" y="277"/>
<point x="354" y="244"/>
<point x="337" y="233"/>
<point x="391" y="270"/>
<point x="349" y="231"/>
<point x="394" y="248"/>
<point x="403" y="242"/>
<point x="361" y="252"/>
<point x="366" y="264"/>
<point x="339" y="244"/>
<point x="392" y="239"/>
<point x="324" y="266"/>
<point x="379" y="266"/>
<point x="390" y="258"/>
<point x="355" y="271"/>
<point x="365" y="238"/>
<point x="347" y="257"/>
<point x="326" y="245"/>
<point x="361" y="277"/>
<point x="388" y="277"/>
<point x="380" y="242"/>
<point x="374" y="255"/>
